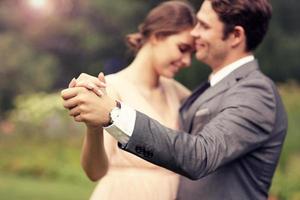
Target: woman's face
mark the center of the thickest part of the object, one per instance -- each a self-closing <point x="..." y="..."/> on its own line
<point x="172" y="53"/>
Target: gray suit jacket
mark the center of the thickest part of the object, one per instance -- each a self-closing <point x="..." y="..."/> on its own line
<point x="230" y="143"/>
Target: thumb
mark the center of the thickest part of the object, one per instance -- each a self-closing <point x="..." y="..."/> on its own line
<point x="72" y="83"/>
<point x="101" y="77"/>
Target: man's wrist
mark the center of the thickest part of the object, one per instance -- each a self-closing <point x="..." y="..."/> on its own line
<point x="113" y="114"/>
<point x="123" y="124"/>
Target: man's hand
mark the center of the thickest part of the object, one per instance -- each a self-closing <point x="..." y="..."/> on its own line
<point x="86" y="106"/>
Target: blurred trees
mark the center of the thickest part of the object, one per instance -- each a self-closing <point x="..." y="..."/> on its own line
<point x="23" y="69"/>
<point x="279" y="52"/>
<point x="43" y="48"/>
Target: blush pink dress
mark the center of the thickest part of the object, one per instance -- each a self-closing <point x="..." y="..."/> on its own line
<point x="130" y="177"/>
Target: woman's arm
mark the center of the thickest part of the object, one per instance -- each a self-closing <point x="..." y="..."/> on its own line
<point x="94" y="160"/>
<point x="94" y="156"/>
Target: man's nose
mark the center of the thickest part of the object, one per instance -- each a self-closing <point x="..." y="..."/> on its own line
<point x="195" y="31"/>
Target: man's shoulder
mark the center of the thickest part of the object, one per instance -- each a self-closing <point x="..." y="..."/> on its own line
<point x="253" y="86"/>
<point x="256" y="79"/>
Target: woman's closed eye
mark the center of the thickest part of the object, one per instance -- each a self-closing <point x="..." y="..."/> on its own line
<point x="183" y="48"/>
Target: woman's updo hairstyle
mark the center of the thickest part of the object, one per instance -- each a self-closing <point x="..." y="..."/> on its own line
<point x="166" y="19"/>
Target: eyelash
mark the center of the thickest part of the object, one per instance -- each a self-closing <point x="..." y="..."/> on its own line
<point x="182" y="49"/>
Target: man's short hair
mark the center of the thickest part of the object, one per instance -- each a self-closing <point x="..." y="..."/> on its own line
<point x="252" y="15"/>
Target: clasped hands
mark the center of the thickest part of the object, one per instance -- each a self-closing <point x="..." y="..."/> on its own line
<point x="87" y="100"/>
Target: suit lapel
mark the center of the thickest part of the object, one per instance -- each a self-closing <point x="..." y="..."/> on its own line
<point x="190" y="107"/>
<point x="189" y="101"/>
<point x="204" y="97"/>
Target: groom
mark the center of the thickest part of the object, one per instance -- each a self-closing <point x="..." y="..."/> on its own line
<point x="232" y="129"/>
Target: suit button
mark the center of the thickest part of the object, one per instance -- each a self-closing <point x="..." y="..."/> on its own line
<point x="145" y="151"/>
<point x="140" y="149"/>
<point x="148" y="154"/>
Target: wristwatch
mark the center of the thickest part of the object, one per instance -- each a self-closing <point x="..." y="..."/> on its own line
<point x="116" y="126"/>
<point x="114" y="113"/>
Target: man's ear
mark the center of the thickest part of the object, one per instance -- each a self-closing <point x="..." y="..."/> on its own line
<point x="238" y="36"/>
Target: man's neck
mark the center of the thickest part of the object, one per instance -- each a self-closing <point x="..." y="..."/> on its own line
<point x="229" y="61"/>
<point x="225" y="71"/>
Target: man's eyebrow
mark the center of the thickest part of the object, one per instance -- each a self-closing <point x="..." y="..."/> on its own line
<point x="203" y="23"/>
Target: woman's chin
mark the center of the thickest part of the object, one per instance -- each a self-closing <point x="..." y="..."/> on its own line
<point x="172" y="74"/>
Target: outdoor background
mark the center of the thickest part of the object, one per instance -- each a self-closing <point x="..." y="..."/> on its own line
<point x="45" y="43"/>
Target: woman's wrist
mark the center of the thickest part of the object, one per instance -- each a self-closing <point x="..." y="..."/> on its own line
<point x="94" y="129"/>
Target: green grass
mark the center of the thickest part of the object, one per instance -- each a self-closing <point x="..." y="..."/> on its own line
<point x="16" y="187"/>
<point x="42" y="169"/>
<point x="291" y="98"/>
<point x="286" y="182"/>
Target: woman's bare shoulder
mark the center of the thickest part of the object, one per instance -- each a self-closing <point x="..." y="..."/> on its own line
<point x="113" y="85"/>
<point x="181" y="91"/>
<point x="115" y="78"/>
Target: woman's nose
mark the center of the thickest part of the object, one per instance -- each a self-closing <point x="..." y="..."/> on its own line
<point x="186" y="60"/>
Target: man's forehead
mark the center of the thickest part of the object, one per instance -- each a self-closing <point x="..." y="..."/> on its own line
<point x="205" y="7"/>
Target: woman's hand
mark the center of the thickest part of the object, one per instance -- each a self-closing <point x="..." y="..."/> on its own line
<point x="86" y="107"/>
<point x="97" y="85"/>
<point x="83" y="102"/>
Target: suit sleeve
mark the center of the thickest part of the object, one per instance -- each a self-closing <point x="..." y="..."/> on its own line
<point x="244" y="122"/>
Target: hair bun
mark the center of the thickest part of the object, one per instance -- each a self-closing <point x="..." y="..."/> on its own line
<point x="135" y="41"/>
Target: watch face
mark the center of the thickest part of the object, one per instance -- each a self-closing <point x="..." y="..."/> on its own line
<point x="115" y="113"/>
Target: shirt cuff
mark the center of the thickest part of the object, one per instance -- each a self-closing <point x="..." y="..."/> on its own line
<point x="123" y="125"/>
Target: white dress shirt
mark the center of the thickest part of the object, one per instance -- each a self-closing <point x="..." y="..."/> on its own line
<point x="214" y="78"/>
<point x="123" y="125"/>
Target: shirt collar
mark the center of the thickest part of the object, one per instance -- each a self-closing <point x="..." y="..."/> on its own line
<point x="225" y="71"/>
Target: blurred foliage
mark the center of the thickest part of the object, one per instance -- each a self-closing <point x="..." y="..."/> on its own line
<point x="42" y="113"/>
<point x="42" y="158"/>
<point x="43" y="50"/>
<point x="41" y="129"/>
<point x="23" y="69"/>
<point x="286" y="183"/>
<point x="291" y="95"/>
